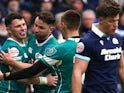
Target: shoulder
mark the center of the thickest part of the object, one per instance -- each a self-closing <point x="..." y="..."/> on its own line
<point x="52" y="41"/>
<point x="31" y="39"/>
<point x="117" y="38"/>
<point x="10" y="44"/>
<point x="117" y="35"/>
<point x="68" y="44"/>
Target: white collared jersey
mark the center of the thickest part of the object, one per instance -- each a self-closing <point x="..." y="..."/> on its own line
<point x="34" y="47"/>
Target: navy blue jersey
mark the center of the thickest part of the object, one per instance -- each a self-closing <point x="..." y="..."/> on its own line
<point x="104" y="54"/>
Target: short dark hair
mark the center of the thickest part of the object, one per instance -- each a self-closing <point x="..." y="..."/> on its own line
<point x="8" y="1"/>
<point x="12" y="16"/>
<point x="72" y="19"/>
<point x="46" y="17"/>
<point x="108" y="8"/>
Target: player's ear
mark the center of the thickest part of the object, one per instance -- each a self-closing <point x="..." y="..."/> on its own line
<point x="63" y="25"/>
<point x="8" y="30"/>
<point x="52" y="28"/>
<point x="101" y="19"/>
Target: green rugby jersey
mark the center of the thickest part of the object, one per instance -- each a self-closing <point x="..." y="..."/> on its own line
<point x="34" y="47"/>
<point x="36" y="51"/>
<point x="19" y="54"/>
<point x="60" y="60"/>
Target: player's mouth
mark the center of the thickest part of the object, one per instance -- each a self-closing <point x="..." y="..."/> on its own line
<point x="23" y="33"/>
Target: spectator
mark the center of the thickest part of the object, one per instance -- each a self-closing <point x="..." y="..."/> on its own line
<point x="26" y="12"/>
<point x="46" y="5"/>
<point x="3" y="32"/>
<point x="88" y="18"/>
<point x="78" y="5"/>
<point x="62" y="5"/>
<point x="12" y="7"/>
<point x="92" y="5"/>
<point x="57" y="32"/>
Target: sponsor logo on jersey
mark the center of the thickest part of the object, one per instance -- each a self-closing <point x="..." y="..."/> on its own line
<point x="112" y="54"/>
<point x="80" y="47"/>
<point x="13" y="51"/>
<point x="50" y="51"/>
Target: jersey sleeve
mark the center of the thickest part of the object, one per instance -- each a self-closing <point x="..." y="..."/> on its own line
<point x="54" y="55"/>
<point x="14" y="53"/>
<point x="83" y="51"/>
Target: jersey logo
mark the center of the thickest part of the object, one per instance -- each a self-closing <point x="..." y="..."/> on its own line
<point x="101" y="42"/>
<point x="52" y="91"/>
<point x="30" y="50"/>
<point x="80" y="47"/>
<point x="25" y="55"/>
<point x="50" y="51"/>
<point x="115" y="41"/>
<point x="38" y="56"/>
<point x="111" y="54"/>
<point x="13" y="51"/>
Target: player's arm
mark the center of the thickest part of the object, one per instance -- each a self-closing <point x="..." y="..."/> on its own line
<point x="80" y="67"/>
<point x="8" y="60"/>
<point x="24" y="73"/>
<point x="48" y="80"/>
<point x="121" y="68"/>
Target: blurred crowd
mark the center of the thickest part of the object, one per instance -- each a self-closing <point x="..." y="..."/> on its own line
<point x="28" y="8"/>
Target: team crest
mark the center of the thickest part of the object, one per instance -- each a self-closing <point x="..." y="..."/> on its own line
<point x="38" y="55"/>
<point x="50" y="51"/>
<point x="115" y="41"/>
<point x="80" y="47"/>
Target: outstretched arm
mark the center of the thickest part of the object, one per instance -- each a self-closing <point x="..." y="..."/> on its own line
<point x="80" y="67"/>
<point x="49" y="80"/>
<point x="24" y="73"/>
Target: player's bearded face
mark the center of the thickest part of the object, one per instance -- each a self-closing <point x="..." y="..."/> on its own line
<point x="41" y="29"/>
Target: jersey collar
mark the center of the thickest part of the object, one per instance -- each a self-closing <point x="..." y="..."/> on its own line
<point x="76" y="38"/>
<point x="22" y="45"/>
<point x="97" y="31"/>
<point x="40" y="44"/>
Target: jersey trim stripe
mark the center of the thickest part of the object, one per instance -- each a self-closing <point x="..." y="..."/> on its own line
<point x="87" y="59"/>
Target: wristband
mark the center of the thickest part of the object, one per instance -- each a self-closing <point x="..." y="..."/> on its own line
<point x="5" y="75"/>
<point x="43" y="80"/>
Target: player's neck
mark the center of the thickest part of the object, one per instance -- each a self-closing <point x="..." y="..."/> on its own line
<point x="71" y="34"/>
<point x="21" y="41"/>
<point x="101" y="28"/>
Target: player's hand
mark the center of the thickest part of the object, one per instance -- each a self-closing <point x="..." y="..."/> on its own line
<point x="1" y="76"/>
<point x="6" y="58"/>
<point x="52" y="80"/>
